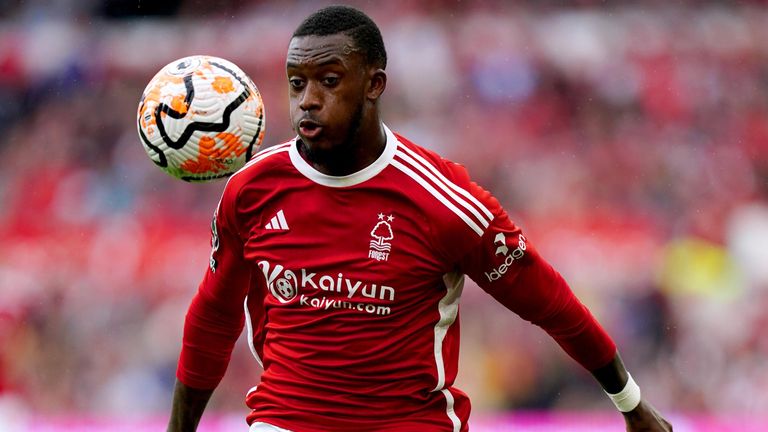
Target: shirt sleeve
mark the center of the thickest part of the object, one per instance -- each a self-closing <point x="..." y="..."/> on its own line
<point x="506" y="265"/>
<point x="215" y="317"/>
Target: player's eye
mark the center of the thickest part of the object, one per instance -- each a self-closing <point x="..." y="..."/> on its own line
<point x="330" y="80"/>
<point x="296" y="83"/>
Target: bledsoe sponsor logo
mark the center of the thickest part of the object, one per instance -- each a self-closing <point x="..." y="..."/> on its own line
<point x="285" y="284"/>
<point x="510" y="257"/>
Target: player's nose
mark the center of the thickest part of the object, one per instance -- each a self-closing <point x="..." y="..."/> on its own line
<point x="311" y="98"/>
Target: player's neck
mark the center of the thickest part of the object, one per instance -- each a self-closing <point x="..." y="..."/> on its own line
<point x="361" y="151"/>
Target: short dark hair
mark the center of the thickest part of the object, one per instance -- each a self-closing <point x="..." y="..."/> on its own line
<point x="358" y="26"/>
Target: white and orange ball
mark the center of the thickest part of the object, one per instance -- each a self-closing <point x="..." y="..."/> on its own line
<point x="201" y="118"/>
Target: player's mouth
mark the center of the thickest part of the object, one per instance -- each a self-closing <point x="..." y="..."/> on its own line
<point x="309" y="129"/>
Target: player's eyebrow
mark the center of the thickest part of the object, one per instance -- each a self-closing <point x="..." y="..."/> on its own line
<point x="331" y="61"/>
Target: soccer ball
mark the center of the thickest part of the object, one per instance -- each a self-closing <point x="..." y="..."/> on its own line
<point x="200" y="118"/>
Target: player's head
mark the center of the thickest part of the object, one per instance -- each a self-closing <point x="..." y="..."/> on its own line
<point x="335" y="66"/>
<point x="364" y="33"/>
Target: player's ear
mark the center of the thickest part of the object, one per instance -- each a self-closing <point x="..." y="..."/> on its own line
<point x="376" y="84"/>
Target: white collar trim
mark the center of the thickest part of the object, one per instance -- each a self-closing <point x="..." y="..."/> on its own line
<point x="355" y="178"/>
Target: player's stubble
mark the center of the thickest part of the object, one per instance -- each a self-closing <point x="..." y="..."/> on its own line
<point x="341" y="154"/>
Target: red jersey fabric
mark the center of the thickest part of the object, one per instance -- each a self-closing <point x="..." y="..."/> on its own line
<point x="349" y="288"/>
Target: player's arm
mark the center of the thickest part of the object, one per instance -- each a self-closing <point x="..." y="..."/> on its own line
<point x="187" y="408"/>
<point x="615" y="380"/>
<point x="213" y="323"/>
<point x="507" y="266"/>
<point x="211" y="328"/>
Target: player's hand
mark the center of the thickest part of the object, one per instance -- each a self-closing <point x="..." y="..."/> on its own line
<point x="645" y="418"/>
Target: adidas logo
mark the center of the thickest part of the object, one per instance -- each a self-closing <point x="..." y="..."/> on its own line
<point x="277" y="222"/>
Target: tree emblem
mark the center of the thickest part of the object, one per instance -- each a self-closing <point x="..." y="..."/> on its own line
<point x="382" y="232"/>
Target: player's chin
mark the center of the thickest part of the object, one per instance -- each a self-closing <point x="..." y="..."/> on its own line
<point x="319" y="144"/>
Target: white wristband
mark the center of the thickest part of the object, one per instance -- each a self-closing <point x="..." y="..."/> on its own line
<point x="628" y="398"/>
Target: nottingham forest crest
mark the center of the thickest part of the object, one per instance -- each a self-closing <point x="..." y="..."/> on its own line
<point x="381" y="235"/>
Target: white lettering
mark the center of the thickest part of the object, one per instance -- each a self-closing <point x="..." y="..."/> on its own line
<point x="214" y="243"/>
<point x="516" y="254"/>
<point x="389" y="289"/>
<point x="328" y="285"/>
<point x="284" y="286"/>
<point x="493" y="275"/>
<point x="378" y="256"/>
<point x="325" y="303"/>
<point x="352" y="289"/>
<point x="307" y="277"/>
<point x="372" y="293"/>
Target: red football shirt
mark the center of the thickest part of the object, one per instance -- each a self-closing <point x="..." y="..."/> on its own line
<point x="351" y="285"/>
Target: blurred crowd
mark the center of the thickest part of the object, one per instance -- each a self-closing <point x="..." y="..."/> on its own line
<point x="628" y="139"/>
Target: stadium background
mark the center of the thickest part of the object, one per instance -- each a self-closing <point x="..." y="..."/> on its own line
<point x="629" y="139"/>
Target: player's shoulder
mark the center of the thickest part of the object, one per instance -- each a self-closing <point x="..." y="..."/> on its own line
<point x="270" y="161"/>
<point x="450" y="186"/>
<point x="430" y="161"/>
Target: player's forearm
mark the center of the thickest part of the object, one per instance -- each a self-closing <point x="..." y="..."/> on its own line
<point x="187" y="408"/>
<point x="554" y="307"/>
<point x="209" y="337"/>
<point x="613" y="376"/>
<point x="639" y="415"/>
